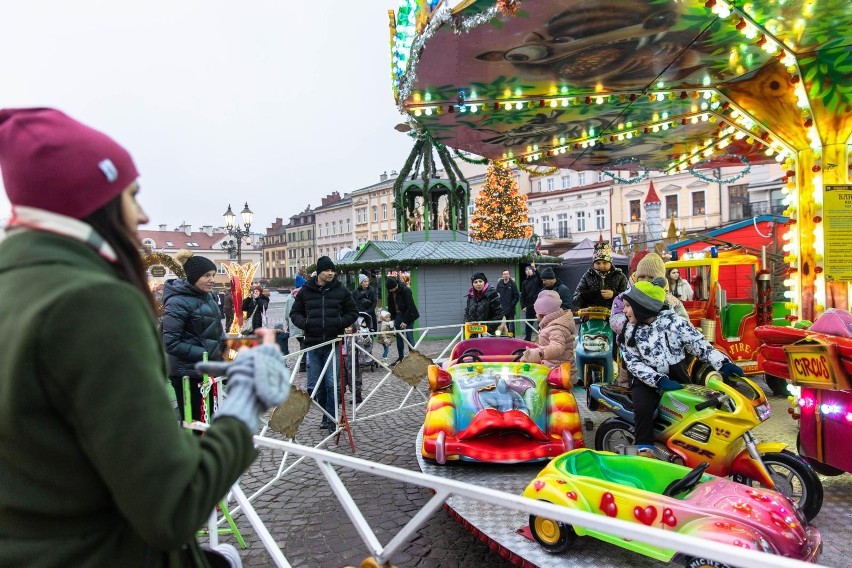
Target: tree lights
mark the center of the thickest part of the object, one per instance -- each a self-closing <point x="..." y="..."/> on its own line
<point x="501" y="211"/>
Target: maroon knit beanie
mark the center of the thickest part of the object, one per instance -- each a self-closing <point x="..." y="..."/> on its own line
<point x="52" y="162"/>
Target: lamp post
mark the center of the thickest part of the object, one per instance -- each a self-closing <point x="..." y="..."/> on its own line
<point x="237" y="231"/>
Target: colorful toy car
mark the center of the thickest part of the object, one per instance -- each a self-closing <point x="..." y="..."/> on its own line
<point x="488" y="406"/>
<point x="670" y="497"/>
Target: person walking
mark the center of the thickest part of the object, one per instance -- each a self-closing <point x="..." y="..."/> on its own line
<point x="530" y="288"/>
<point x="365" y="298"/>
<point x="82" y="377"/>
<point x="509" y="298"/>
<point x="191" y="326"/>
<point x="253" y="308"/>
<point x="483" y="303"/>
<point x="228" y="307"/>
<point x="323" y="309"/>
<point x="401" y="305"/>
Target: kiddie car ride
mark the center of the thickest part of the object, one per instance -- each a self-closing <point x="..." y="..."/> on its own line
<point x="488" y="406"/>
<point x="595" y="351"/>
<point x="670" y="497"/>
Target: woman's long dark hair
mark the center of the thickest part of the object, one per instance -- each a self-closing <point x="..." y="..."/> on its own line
<point x="108" y="222"/>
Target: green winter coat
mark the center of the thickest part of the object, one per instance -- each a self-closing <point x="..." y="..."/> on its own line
<point x="94" y="469"/>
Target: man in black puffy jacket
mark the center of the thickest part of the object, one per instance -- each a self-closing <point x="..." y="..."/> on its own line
<point x="323" y="309"/>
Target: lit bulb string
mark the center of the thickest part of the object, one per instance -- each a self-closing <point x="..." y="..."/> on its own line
<point x="549" y="171"/>
<point x="443" y="15"/>
<point x="734" y="107"/>
<point x="769" y="42"/>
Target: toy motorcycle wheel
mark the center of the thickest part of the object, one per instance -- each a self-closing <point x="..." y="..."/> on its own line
<point x="554" y="536"/>
<point x="794" y="478"/>
<point x="614" y="436"/>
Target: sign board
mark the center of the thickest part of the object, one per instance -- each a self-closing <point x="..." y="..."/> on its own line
<point x="158" y="271"/>
<point x="837" y="209"/>
<point x="816" y="365"/>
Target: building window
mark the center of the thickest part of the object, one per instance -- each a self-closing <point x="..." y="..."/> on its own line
<point x="326" y="230"/>
<point x="301" y="235"/>
<point x="671" y="206"/>
<point x="221" y="269"/>
<point x="334" y="227"/>
<point x="602" y="176"/>
<point x="562" y="225"/>
<point x="545" y="225"/>
<point x="375" y="214"/>
<point x="581" y="221"/>
<point x="698" y="203"/>
<point x="361" y="215"/>
<point x="348" y="225"/>
<point x="600" y="219"/>
<point x="310" y="253"/>
<point x="550" y="182"/>
<point x="566" y="182"/>
<point x="384" y="211"/>
<point x="538" y="185"/>
<point x="635" y="210"/>
<point x="310" y="234"/>
<point x="581" y="178"/>
<point x="738" y="201"/>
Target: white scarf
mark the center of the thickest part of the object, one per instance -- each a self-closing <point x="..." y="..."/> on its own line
<point x="40" y="220"/>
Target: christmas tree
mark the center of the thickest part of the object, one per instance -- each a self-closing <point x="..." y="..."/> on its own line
<point x="500" y="211"/>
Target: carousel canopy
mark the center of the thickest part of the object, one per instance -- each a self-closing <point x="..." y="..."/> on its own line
<point x="626" y="84"/>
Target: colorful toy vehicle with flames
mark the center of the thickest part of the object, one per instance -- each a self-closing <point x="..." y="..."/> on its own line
<point x="671" y="497"/>
<point x="488" y="406"/>
<point x="728" y="303"/>
<point x="714" y="424"/>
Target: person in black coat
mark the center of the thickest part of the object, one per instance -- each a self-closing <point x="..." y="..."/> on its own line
<point x="191" y="325"/>
<point x="602" y="283"/>
<point x="254" y="307"/>
<point x="483" y="303"/>
<point x="323" y="309"/>
<point x="549" y="281"/>
<point x="401" y="306"/>
<point x="366" y="300"/>
<point x="530" y="288"/>
<point x="509" y="297"/>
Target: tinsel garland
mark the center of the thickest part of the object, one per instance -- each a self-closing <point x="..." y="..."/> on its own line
<point x="537" y="173"/>
<point x="710" y="179"/>
<point x="463" y="158"/>
<point x="508" y="7"/>
<point x="443" y="15"/>
<point x="620" y="162"/>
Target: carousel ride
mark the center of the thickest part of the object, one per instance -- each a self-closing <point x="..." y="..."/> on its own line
<point x="630" y="87"/>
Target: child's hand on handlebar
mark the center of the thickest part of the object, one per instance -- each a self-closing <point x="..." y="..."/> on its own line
<point x="666" y="384"/>
<point x="729" y="369"/>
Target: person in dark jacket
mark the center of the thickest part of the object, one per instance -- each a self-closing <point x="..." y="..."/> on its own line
<point x="483" y="303"/>
<point x="323" y="309"/>
<point x="401" y="306"/>
<point x="254" y="307"/>
<point x="602" y="283"/>
<point x="84" y="372"/>
<point x="549" y="281"/>
<point x="365" y="298"/>
<point x="191" y="325"/>
<point x="530" y="288"/>
<point x="509" y="297"/>
<point x="228" y="307"/>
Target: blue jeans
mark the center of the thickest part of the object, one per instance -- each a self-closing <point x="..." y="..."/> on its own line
<point x="400" y="344"/>
<point x="325" y="392"/>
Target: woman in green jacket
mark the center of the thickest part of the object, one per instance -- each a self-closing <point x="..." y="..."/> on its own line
<point x="94" y="470"/>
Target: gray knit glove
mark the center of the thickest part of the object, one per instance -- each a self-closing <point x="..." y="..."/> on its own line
<point x="258" y="379"/>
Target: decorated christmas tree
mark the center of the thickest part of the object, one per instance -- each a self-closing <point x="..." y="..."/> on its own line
<point x="500" y="209"/>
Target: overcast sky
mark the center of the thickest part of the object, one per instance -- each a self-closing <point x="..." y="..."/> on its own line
<point x="274" y="102"/>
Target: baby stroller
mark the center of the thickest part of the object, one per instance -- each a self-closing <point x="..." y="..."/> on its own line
<point x="365" y="341"/>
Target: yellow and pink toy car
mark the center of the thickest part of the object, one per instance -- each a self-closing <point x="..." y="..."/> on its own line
<point x="488" y="406"/>
<point x="671" y="497"/>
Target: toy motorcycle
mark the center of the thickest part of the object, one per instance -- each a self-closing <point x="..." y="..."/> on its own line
<point x="713" y="423"/>
<point x="595" y="354"/>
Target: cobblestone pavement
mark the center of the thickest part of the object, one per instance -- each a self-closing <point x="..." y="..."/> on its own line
<point x="311" y="528"/>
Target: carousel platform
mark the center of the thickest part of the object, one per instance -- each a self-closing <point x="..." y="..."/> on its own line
<point x="505" y="530"/>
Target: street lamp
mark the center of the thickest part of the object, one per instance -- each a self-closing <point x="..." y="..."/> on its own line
<point x="237" y="231"/>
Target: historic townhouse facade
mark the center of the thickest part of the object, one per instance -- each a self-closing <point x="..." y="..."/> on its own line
<point x="335" y="229"/>
<point x="301" y="242"/>
<point x="373" y="211"/>
<point x="275" y="250"/>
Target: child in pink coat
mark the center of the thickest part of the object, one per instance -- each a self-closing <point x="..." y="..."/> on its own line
<point x="557" y="333"/>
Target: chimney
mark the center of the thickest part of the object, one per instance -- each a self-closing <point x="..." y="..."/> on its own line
<point x="384" y="176"/>
<point x="208" y="230"/>
<point x="163" y="227"/>
<point x="187" y="229"/>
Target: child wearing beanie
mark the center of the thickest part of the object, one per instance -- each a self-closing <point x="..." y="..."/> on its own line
<point x="602" y="282"/>
<point x="654" y="344"/>
<point x="386" y="338"/>
<point x="557" y="333"/>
